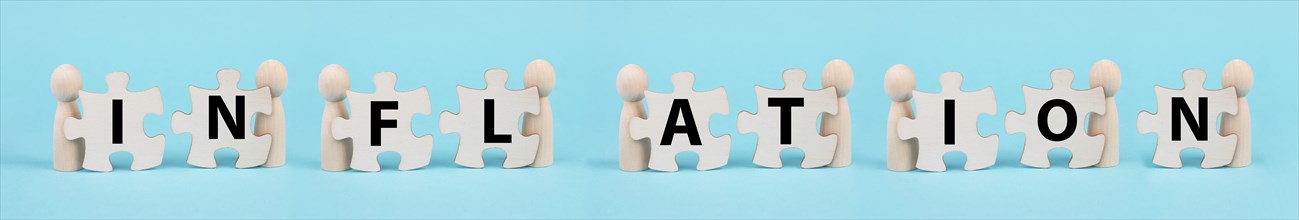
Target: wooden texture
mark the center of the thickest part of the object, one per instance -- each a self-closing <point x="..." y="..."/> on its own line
<point x="817" y="150"/>
<point x="928" y="126"/>
<point x="1086" y="149"/>
<point x="471" y="122"/>
<point x="1218" y="150"/>
<point x="713" y="151"/>
<point x="272" y="75"/>
<point x="839" y="75"/>
<point x="65" y="84"/>
<point x="96" y="125"/>
<point x="415" y="151"/>
<point x="633" y="155"/>
<point x="253" y="149"/>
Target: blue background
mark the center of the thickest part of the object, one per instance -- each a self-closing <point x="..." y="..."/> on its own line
<point x="735" y="45"/>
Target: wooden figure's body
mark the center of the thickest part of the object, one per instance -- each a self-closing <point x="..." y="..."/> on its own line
<point x="540" y="74"/>
<point x="1105" y="74"/>
<point x="272" y="75"/>
<point x="680" y="110"/>
<point x="838" y="74"/>
<point x="65" y="83"/>
<point x="272" y="125"/>
<point x="836" y="125"/>
<point x="68" y="154"/>
<point x="335" y="155"/>
<point x="1107" y="125"/>
<point x="97" y="128"/>
<point x="899" y="81"/>
<point x="537" y="125"/>
<point x="231" y="129"/>
<point x="794" y="107"/>
<point x="1193" y="111"/>
<point x="633" y="154"/>
<point x="495" y="109"/>
<point x="1238" y="74"/>
<point x="933" y="117"/>
<point x="1238" y="124"/>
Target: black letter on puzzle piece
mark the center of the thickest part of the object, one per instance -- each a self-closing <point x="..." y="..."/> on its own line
<point x="377" y="122"/>
<point x="785" y="104"/>
<point x="1199" y="129"/>
<point x="1071" y="120"/>
<point x="681" y="106"/>
<point x="489" y="124"/>
<point x="235" y="122"/>
<point x="117" y="121"/>
<point x="949" y="122"/>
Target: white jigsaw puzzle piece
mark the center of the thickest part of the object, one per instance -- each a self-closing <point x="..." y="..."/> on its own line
<point x="804" y="134"/>
<point x="252" y="149"/>
<point x="509" y="106"/>
<point x="1218" y="150"/>
<point x="713" y="151"/>
<point x="97" y="123"/>
<point x="928" y="125"/>
<point x="1086" y="149"/>
<point x="415" y="151"/>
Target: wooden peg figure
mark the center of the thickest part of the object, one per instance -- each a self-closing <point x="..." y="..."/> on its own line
<point x="539" y="73"/>
<point x="271" y="74"/>
<point x="838" y="74"/>
<point x="335" y="155"/>
<point x="65" y="84"/>
<point x="633" y="155"/>
<point x="1105" y="74"/>
<point x="1238" y="74"/>
<point x="899" y="82"/>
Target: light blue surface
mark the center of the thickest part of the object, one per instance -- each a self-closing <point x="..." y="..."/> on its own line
<point x="737" y="45"/>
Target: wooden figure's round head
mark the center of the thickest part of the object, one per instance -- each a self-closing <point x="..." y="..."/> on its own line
<point x="1238" y="74"/>
<point x="1105" y="74"/>
<point x="65" y="83"/>
<point x="837" y="74"/>
<point x="540" y="74"/>
<point x="899" y="82"/>
<point x="334" y="83"/>
<point x="273" y="75"/>
<point x="632" y="83"/>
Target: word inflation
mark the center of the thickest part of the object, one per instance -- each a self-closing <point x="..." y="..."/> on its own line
<point x="654" y="126"/>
